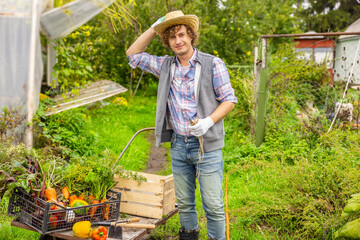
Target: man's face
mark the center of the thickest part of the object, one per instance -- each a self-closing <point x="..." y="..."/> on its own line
<point x="180" y="42"/>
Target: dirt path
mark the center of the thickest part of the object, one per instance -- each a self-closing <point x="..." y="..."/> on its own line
<point x="157" y="157"/>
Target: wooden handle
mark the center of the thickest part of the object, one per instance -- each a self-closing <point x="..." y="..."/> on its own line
<point x="137" y="225"/>
<point x="194" y="121"/>
<point x="134" y="220"/>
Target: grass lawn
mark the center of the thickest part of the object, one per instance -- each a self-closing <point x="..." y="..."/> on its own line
<point x="115" y="125"/>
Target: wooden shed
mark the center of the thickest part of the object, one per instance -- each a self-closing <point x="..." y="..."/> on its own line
<point x="318" y="48"/>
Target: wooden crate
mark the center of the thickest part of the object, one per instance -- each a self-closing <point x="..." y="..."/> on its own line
<point x="152" y="198"/>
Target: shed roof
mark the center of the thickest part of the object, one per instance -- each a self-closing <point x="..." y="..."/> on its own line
<point x="354" y="27"/>
<point x="310" y="37"/>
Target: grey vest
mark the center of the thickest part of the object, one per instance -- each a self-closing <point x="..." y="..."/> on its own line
<point x="206" y="103"/>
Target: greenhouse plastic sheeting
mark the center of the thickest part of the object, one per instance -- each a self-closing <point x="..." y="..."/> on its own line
<point x="61" y="21"/>
<point x="15" y="33"/>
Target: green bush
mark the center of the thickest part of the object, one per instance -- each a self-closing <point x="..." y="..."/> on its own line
<point x="70" y="129"/>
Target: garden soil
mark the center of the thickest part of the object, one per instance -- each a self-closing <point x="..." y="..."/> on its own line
<point x="157" y="156"/>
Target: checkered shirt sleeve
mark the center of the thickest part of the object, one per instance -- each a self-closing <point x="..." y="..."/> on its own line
<point x="221" y="82"/>
<point x="146" y="62"/>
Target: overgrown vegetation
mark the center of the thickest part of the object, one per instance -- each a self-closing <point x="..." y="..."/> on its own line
<point x="297" y="183"/>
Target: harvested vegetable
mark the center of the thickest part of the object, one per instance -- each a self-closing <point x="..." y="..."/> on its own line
<point x="93" y="209"/>
<point x="79" y="203"/>
<point x="81" y="197"/>
<point x="105" y="209"/>
<point x="53" y="206"/>
<point x="101" y="177"/>
<point x="91" y="198"/>
<point x="65" y="191"/>
<point x="99" y="233"/>
<point x="52" y="176"/>
<point x="60" y="214"/>
<point x="72" y="198"/>
<point x="82" y="229"/>
<point x="53" y="221"/>
<point x="50" y="194"/>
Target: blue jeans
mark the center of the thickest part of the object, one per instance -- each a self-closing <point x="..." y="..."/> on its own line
<point x="184" y="159"/>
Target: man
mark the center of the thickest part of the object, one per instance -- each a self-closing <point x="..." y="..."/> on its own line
<point x="192" y="85"/>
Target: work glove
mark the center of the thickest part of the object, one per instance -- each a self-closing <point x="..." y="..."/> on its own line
<point x="201" y="127"/>
<point x="160" y="20"/>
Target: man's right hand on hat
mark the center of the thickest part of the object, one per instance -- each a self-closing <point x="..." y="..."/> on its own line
<point x="160" y="20"/>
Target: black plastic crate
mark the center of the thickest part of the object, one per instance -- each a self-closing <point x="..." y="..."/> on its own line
<point x="37" y="213"/>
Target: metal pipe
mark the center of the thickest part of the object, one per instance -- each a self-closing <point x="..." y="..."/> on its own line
<point x="31" y="82"/>
<point x="310" y="34"/>
<point x="127" y="145"/>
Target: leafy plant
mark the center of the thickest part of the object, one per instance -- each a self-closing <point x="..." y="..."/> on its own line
<point x="10" y="120"/>
<point x="69" y="129"/>
<point x="72" y="70"/>
<point x="101" y="177"/>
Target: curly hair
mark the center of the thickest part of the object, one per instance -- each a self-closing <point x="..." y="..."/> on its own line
<point x="174" y="29"/>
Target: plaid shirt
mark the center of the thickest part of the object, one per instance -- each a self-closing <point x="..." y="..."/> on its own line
<point x="181" y="102"/>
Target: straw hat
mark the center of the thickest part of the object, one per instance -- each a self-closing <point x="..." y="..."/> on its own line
<point x="175" y="18"/>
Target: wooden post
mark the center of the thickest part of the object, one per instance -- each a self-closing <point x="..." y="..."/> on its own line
<point x="31" y="82"/>
<point x="263" y="59"/>
<point x="255" y="63"/>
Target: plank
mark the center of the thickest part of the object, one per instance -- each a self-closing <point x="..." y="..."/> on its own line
<point x="139" y="186"/>
<point x="139" y="197"/>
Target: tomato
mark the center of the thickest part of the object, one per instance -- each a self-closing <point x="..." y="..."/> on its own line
<point x="53" y="221"/>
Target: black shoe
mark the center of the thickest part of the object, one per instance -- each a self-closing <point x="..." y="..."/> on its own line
<point x="189" y="234"/>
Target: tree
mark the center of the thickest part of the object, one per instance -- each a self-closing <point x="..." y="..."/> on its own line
<point x="328" y="15"/>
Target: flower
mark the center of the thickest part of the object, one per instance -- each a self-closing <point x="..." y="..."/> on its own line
<point x="120" y="101"/>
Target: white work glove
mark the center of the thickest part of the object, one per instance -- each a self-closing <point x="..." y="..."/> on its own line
<point x="201" y="127"/>
<point x="160" y="20"/>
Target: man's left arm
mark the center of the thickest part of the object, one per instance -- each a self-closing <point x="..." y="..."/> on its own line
<point x="224" y="94"/>
<point x="221" y="111"/>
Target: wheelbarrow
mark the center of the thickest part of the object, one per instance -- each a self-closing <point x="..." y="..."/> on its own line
<point x="127" y="145"/>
